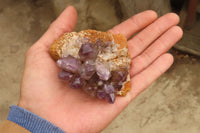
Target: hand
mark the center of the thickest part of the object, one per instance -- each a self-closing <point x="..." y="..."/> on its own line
<point x="74" y="111"/>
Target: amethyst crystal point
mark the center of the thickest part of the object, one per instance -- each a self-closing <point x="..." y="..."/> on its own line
<point x="101" y="94"/>
<point x="117" y="86"/>
<point x="91" y="90"/>
<point x="87" y="51"/>
<point x="69" y="64"/>
<point x="119" y="75"/>
<point x="110" y="98"/>
<point x="87" y="69"/>
<point x="77" y="82"/>
<point x="93" y="80"/>
<point x="109" y="88"/>
<point x="103" y="71"/>
<point x="65" y="75"/>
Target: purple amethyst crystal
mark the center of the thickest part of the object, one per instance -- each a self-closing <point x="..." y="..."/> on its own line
<point x="91" y="90"/>
<point x="117" y="86"/>
<point x="65" y="75"/>
<point x="101" y="94"/>
<point x="109" y="88"/>
<point x="110" y="98"/>
<point x="119" y="75"/>
<point x="93" y="80"/>
<point x="87" y="69"/>
<point x="77" y="82"/>
<point x="87" y="51"/>
<point x="69" y="64"/>
<point x="103" y="71"/>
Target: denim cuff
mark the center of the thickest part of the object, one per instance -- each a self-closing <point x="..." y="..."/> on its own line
<point x="30" y="121"/>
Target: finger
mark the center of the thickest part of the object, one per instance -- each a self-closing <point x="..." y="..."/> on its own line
<point x="149" y="75"/>
<point x="160" y="46"/>
<point x="64" y="23"/>
<point x="143" y="39"/>
<point x="135" y="23"/>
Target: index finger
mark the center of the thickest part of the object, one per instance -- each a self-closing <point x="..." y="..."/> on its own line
<point x="135" y="23"/>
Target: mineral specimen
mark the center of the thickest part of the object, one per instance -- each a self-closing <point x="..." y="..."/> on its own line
<point x="96" y="62"/>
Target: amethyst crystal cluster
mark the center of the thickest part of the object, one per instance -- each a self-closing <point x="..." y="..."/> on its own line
<point x="90" y="74"/>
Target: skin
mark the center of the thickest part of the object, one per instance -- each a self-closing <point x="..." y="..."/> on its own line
<point x="72" y="110"/>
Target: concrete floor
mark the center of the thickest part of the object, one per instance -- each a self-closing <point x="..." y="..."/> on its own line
<point x="171" y="104"/>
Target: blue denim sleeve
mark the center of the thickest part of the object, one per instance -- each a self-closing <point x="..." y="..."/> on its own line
<point x="30" y="121"/>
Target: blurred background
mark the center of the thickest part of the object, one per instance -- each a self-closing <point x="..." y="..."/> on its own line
<point x="171" y="104"/>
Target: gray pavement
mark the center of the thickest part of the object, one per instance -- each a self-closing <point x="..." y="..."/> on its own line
<point x="171" y="104"/>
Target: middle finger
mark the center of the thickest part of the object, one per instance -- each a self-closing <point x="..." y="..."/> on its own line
<point x="143" y="39"/>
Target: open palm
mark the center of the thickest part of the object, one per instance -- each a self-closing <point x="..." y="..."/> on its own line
<point x="72" y="110"/>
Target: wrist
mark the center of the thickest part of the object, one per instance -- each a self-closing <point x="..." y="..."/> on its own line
<point x="39" y="108"/>
<point x="32" y="107"/>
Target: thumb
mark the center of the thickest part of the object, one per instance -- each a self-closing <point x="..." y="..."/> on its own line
<point x="64" y="23"/>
